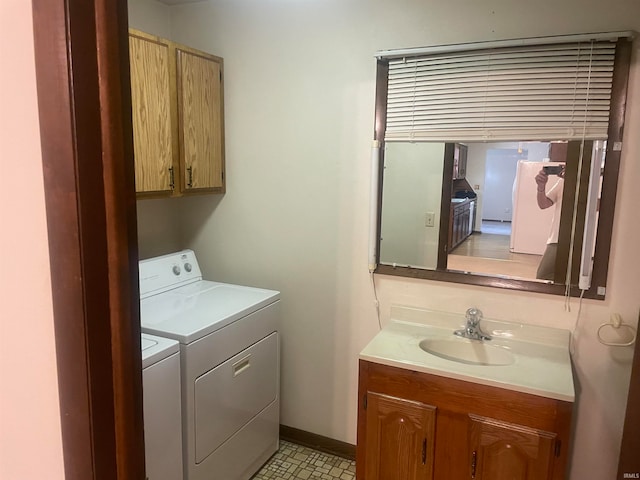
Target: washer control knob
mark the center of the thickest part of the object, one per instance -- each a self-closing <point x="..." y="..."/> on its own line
<point x="176" y="270"/>
<point x="187" y="267"/>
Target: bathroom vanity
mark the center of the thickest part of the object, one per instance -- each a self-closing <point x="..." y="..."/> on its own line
<point x="436" y="406"/>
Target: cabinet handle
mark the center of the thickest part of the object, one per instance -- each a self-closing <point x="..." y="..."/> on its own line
<point x="424" y="451"/>
<point x="557" y="448"/>
<point x="171" y="179"/>
<point x="190" y="174"/>
<point x="474" y="456"/>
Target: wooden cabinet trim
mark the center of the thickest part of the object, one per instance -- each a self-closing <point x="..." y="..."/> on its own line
<point x="147" y="36"/>
<point x="464" y="397"/>
<point x="198" y="53"/>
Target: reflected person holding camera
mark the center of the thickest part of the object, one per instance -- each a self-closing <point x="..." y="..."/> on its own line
<point x="548" y="198"/>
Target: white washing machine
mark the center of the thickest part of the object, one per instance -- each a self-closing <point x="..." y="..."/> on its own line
<point x="162" y="407"/>
<point x="229" y="356"/>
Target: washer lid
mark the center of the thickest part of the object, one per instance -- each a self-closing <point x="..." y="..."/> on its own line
<point x="155" y="349"/>
<point x="190" y="312"/>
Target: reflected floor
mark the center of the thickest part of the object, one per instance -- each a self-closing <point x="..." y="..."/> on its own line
<point x="494" y="226"/>
<point x="489" y="253"/>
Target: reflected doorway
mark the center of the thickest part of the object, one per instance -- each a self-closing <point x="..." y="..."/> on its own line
<point x="495" y="247"/>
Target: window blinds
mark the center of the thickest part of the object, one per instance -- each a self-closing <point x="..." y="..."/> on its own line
<point x="525" y="92"/>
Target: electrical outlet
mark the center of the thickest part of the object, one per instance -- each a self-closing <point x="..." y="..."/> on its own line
<point x="429" y="219"/>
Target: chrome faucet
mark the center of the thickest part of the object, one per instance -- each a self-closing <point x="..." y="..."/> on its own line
<point x="472" y="330"/>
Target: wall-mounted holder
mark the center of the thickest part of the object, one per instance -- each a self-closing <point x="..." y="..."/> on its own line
<point x="615" y="322"/>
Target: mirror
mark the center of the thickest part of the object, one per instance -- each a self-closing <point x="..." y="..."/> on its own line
<point x="481" y="201"/>
<point x="449" y="194"/>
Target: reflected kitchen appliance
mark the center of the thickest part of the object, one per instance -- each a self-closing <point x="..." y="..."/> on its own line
<point x="229" y="362"/>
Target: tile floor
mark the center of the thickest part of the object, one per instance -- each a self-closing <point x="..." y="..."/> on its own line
<point x="292" y="462"/>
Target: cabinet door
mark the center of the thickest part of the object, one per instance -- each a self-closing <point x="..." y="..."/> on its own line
<point x="200" y="118"/>
<point x="454" y="229"/>
<point x="506" y="451"/>
<point x="466" y="225"/>
<point x="462" y="162"/>
<point x="151" y="110"/>
<point x="460" y="213"/>
<point x="400" y="439"/>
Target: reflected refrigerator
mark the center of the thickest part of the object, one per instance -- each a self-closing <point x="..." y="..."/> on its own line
<point x="530" y="225"/>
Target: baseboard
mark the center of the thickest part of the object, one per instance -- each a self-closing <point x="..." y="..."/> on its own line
<point x="318" y="442"/>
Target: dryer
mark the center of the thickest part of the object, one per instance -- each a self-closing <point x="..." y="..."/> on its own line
<point x="162" y="409"/>
<point x="229" y="364"/>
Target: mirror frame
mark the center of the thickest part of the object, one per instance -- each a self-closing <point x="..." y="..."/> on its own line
<point x="604" y="230"/>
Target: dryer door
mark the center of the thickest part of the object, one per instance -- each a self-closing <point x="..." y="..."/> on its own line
<point x="231" y="394"/>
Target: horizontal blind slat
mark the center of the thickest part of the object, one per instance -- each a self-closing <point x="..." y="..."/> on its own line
<point x="506" y="91"/>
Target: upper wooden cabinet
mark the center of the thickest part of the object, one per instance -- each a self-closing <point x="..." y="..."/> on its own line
<point x="178" y="117"/>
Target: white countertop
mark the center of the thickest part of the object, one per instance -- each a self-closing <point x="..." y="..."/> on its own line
<point x="542" y="364"/>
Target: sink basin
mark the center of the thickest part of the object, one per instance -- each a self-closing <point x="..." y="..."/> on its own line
<point x="472" y="352"/>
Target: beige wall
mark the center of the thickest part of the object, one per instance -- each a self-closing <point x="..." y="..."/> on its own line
<point x="30" y="438"/>
<point x="149" y="16"/>
<point x="299" y="99"/>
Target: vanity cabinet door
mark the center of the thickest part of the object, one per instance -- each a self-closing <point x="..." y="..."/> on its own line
<point x="481" y="432"/>
<point x="502" y="450"/>
<point x="400" y="439"/>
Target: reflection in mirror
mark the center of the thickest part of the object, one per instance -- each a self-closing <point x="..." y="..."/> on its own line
<point x="412" y="194"/>
<point x="487" y="208"/>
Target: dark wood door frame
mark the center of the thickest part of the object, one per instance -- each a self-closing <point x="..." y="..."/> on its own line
<point x="629" y="462"/>
<point x="84" y="102"/>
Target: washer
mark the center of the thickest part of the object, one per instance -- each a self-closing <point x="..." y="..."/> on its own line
<point x="162" y="407"/>
<point x="229" y="364"/>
